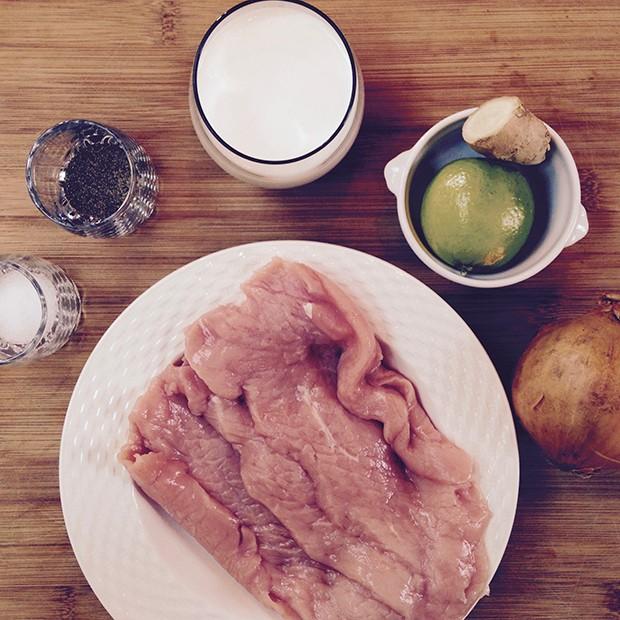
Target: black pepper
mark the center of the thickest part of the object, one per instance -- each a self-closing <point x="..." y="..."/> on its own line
<point x="96" y="180"/>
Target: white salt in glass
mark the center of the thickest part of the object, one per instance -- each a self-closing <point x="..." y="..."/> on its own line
<point x="39" y="308"/>
<point x="277" y="96"/>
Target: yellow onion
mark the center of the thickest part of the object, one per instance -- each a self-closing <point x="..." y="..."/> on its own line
<point x="566" y="389"/>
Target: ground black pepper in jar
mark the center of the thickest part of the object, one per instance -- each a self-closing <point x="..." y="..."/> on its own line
<point x="96" y="179"/>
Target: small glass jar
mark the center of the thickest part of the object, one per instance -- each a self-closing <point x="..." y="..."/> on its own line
<point x="47" y="164"/>
<point x="39" y="308"/>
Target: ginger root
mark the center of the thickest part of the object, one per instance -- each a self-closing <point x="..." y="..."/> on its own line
<point x="504" y="129"/>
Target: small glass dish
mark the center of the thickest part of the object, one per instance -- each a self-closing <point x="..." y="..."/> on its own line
<point x="47" y="164"/>
<point x="40" y="308"/>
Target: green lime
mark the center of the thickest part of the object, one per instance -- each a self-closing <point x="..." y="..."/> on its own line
<point x="477" y="214"/>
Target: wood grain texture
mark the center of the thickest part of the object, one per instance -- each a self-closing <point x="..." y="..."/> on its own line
<point x="128" y="64"/>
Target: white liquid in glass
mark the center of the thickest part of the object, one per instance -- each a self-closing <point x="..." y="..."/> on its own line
<point x="20" y="309"/>
<point x="274" y="80"/>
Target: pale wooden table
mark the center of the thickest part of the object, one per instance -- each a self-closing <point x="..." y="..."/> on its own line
<point x="128" y="64"/>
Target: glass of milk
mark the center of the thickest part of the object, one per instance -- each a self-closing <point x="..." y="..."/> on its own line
<point x="39" y="308"/>
<point x="276" y="95"/>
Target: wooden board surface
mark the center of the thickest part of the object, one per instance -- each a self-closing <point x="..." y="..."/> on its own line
<point x="128" y="64"/>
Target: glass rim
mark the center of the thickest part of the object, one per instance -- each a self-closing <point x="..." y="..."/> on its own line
<point x="40" y="141"/>
<point x="10" y="262"/>
<point x="232" y="149"/>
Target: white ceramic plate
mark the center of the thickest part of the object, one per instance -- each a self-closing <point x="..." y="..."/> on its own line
<point x="138" y="562"/>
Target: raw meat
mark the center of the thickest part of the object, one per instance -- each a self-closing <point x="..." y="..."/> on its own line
<point x="184" y="465"/>
<point x="328" y="470"/>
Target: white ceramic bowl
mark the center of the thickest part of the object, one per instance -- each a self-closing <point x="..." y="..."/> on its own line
<point x="282" y="173"/>
<point x="560" y="218"/>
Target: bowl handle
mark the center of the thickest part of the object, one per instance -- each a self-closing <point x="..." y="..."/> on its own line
<point x="394" y="171"/>
<point x="581" y="228"/>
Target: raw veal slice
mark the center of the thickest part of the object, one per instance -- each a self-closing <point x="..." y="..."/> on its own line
<point x="339" y="448"/>
<point x="183" y="464"/>
<point x="306" y="467"/>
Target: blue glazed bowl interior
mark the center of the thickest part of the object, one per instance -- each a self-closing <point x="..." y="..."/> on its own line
<point x="544" y="179"/>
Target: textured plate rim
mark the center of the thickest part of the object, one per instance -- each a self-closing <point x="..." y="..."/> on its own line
<point x="239" y="248"/>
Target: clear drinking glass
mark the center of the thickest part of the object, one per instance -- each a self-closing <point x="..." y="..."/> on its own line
<point x="39" y="308"/>
<point x="291" y="110"/>
<point x="48" y="161"/>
